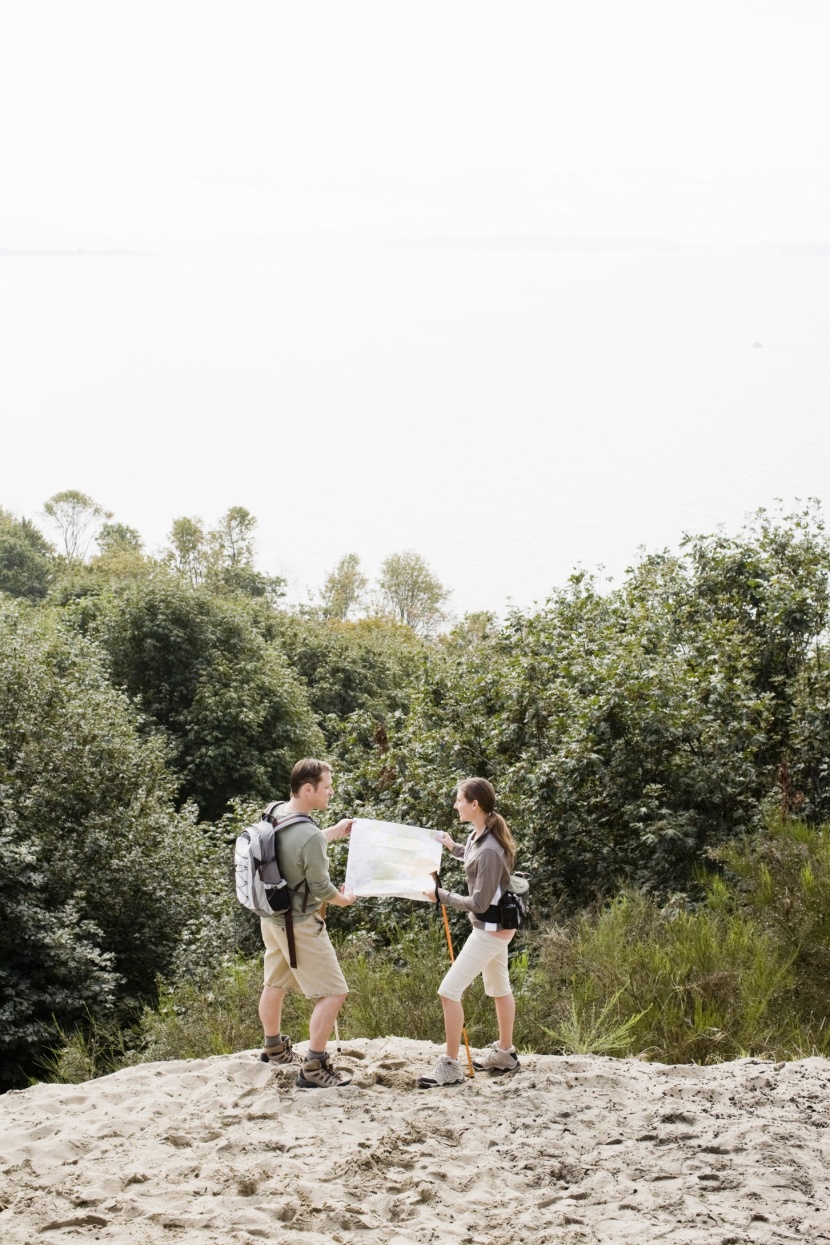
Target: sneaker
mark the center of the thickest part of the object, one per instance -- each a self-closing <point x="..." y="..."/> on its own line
<point x="281" y="1053"/>
<point x="447" y="1072"/>
<point x="496" y="1060"/>
<point x="319" y="1074"/>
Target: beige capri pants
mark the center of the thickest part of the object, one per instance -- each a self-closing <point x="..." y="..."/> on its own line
<point x="482" y="953"/>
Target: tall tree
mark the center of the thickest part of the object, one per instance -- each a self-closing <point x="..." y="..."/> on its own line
<point x="344" y="588"/>
<point x="188" y="550"/>
<point x="410" y="592"/>
<point x="77" y="518"/>
<point x="222" y="557"/>
<point x="233" y="538"/>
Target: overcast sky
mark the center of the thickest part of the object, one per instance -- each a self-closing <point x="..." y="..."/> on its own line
<point x="520" y="286"/>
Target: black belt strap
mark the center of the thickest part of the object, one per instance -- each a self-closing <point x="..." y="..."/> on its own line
<point x="289" y="933"/>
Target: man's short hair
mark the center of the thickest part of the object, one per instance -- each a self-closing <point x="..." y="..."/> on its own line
<point x="308" y="770"/>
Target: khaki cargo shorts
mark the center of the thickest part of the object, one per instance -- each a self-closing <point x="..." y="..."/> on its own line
<point x="317" y="974"/>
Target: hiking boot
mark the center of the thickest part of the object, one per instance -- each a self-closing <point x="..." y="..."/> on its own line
<point x="496" y="1060"/>
<point x="281" y="1053"/>
<point x="447" y="1072"/>
<point x="319" y="1074"/>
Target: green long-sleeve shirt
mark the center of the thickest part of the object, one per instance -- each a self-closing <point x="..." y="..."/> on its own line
<point x="302" y="857"/>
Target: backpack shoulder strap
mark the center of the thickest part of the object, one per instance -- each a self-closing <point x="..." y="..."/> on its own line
<point x="291" y="820"/>
<point x="271" y="852"/>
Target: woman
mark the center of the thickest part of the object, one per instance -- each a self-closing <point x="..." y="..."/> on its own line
<point x="488" y="857"/>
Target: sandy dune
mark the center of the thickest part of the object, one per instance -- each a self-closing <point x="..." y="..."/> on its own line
<point x="567" y="1150"/>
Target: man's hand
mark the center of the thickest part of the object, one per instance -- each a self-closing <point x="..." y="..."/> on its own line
<point x="340" y="831"/>
<point x="343" y="899"/>
<point x="431" y="896"/>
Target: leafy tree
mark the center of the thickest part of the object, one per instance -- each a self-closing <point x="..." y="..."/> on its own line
<point x="475" y="628"/>
<point x="235" y="714"/>
<point x="100" y="879"/>
<point x="804" y="773"/>
<point x="230" y="564"/>
<point x="26" y="558"/>
<point x="344" y="588"/>
<point x="121" y="560"/>
<point x="233" y="538"/>
<point x="77" y="585"/>
<point x="769" y="584"/>
<point x="119" y="538"/>
<point x="410" y="592"/>
<point x="222" y="557"/>
<point x="187" y="554"/>
<point x="348" y="666"/>
<point x="76" y="516"/>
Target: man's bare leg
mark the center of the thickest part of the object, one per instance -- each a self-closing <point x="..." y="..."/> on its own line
<point x="270" y="1010"/>
<point x="322" y="1020"/>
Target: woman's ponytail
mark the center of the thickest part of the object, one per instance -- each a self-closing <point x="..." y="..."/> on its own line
<point x="500" y="831"/>
<point x="481" y="790"/>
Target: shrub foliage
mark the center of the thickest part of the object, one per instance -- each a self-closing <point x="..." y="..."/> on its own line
<point x="100" y="877"/>
<point x="633" y="733"/>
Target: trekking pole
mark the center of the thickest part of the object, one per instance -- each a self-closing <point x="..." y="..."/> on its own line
<point x="452" y="961"/>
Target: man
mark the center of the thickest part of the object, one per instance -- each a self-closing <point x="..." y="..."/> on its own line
<point x="301" y="852"/>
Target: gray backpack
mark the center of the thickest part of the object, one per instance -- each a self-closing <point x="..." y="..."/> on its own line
<point x="260" y="885"/>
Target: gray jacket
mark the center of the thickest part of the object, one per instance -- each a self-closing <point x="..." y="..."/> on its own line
<point x="488" y="876"/>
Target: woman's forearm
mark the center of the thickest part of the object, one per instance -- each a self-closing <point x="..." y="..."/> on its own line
<point x="453" y="900"/>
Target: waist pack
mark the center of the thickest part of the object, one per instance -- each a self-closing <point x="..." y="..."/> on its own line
<point x="512" y="909"/>
<point x="515" y="902"/>
<point x="260" y="886"/>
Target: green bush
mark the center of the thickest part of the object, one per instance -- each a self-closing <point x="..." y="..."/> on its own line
<point x="393" y="991"/>
<point x="626" y="731"/>
<point x="101" y="879"/>
<point x="695" y="986"/>
<point x="781" y="879"/>
<point x="348" y="666"/>
<point x="743" y="972"/>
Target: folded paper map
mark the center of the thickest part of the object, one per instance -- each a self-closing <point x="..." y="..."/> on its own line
<point x="388" y="859"/>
